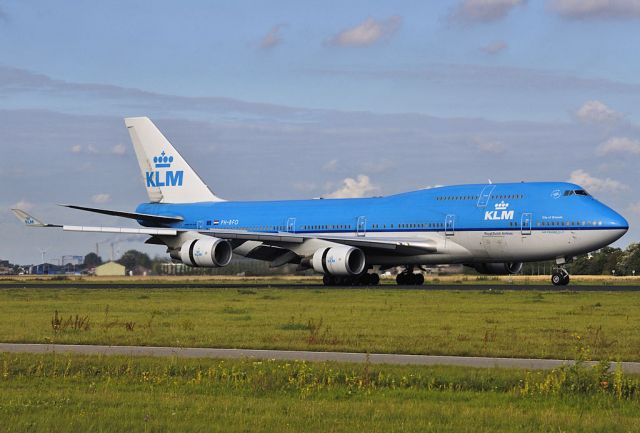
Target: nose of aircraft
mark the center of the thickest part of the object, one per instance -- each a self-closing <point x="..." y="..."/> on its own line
<point x="616" y="223"/>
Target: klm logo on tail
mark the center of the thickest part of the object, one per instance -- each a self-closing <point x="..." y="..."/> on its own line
<point x="501" y="212"/>
<point x="166" y="177"/>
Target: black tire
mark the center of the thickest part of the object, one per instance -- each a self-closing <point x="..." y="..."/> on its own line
<point x="362" y="279"/>
<point x="328" y="280"/>
<point x="565" y="279"/>
<point x="418" y="279"/>
<point x="556" y="279"/>
<point x="400" y="279"/>
<point x="374" y="279"/>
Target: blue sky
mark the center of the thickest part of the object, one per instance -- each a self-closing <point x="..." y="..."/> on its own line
<point x="289" y="99"/>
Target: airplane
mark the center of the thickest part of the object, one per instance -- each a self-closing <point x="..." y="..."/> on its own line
<point x="493" y="228"/>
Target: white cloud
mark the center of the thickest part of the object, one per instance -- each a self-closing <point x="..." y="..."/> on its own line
<point x="378" y="166"/>
<point x="305" y="187"/>
<point x="272" y="38"/>
<point x="23" y="204"/>
<point x="488" y="146"/>
<point x="330" y="165"/>
<point x="119" y="149"/>
<point x="596" y="184"/>
<point x="596" y="111"/>
<point x="101" y="198"/>
<point x="635" y="207"/>
<point x="367" y="33"/>
<point x="586" y="9"/>
<point x="473" y="11"/>
<point x="619" y="145"/>
<point x="494" y="47"/>
<point x="353" y="188"/>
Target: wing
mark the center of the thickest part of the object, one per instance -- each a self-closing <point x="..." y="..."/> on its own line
<point x="281" y="240"/>
<point x="404" y="246"/>
<point x="32" y="221"/>
<point x="131" y="215"/>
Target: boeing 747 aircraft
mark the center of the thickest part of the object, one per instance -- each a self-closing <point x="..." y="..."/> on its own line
<point x="493" y="228"/>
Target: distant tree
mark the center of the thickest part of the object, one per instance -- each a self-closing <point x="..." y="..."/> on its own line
<point x="133" y="258"/>
<point x="629" y="261"/>
<point x="92" y="260"/>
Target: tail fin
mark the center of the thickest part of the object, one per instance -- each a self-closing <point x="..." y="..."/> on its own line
<point x="167" y="176"/>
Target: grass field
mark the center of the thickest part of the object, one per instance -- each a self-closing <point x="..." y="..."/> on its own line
<point x="488" y="323"/>
<point x="45" y="393"/>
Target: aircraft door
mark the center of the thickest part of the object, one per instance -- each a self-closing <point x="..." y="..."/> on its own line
<point x="291" y="225"/>
<point x="485" y="195"/>
<point x="361" y="226"/>
<point x="449" y="225"/>
<point x="525" y="224"/>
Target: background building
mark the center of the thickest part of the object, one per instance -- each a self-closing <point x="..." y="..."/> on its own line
<point x="110" y="269"/>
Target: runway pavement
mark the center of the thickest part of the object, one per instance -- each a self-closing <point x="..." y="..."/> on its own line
<point x="300" y="355"/>
<point x="222" y="285"/>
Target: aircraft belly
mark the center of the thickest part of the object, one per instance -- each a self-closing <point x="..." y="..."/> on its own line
<point x="476" y="246"/>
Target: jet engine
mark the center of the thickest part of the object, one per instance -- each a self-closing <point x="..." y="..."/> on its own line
<point x="206" y="252"/>
<point x="504" y="268"/>
<point x="342" y="260"/>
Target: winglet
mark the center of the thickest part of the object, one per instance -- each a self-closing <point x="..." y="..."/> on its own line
<point x="27" y="219"/>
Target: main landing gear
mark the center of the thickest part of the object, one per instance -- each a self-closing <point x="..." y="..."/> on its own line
<point x="560" y="277"/>
<point x="408" y="278"/>
<point x="364" y="279"/>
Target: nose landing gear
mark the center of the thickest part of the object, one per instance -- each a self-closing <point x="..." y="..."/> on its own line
<point x="560" y="277"/>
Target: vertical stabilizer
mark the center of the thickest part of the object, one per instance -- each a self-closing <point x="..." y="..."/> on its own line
<point x="166" y="175"/>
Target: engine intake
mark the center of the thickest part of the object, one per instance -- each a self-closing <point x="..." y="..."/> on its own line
<point x="505" y="268"/>
<point x="343" y="260"/>
<point x="206" y="252"/>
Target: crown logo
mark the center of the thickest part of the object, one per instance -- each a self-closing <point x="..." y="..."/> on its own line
<point x="162" y="161"/>
<point x="502" y="205"/>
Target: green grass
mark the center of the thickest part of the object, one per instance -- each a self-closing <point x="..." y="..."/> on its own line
<point x="43" y="393"/>
<point x="488" y="323"/>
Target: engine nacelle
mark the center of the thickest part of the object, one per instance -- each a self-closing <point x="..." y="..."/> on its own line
<point x="343" y="260"/>
<point x="505" y="268"/>
<point x="206" y="252"/>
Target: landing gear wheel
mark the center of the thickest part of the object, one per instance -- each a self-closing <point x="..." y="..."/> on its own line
<point x="406" y="278"/>
<point x="560" y="277"/>
<point x="418" y="279"/>
<point x="374" y="279"/>
<point x="328" y="280"/>
<point x="401" y="279"/>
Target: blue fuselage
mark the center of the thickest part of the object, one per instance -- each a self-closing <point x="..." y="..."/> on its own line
<point x="503" y="207"/>
<point x="515" y="222"/>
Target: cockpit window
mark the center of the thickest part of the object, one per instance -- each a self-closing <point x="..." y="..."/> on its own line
<point x="576" y="192"/>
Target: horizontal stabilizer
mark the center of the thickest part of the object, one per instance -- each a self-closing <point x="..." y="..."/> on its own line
<point x="131" y="215"/>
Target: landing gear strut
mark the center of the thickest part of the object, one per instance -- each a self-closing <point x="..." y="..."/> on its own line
<point x="408" y="278"/>
<point x="560" y="277"/>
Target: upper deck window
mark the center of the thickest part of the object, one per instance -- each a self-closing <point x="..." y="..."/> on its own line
<point x="576" y="192"/>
